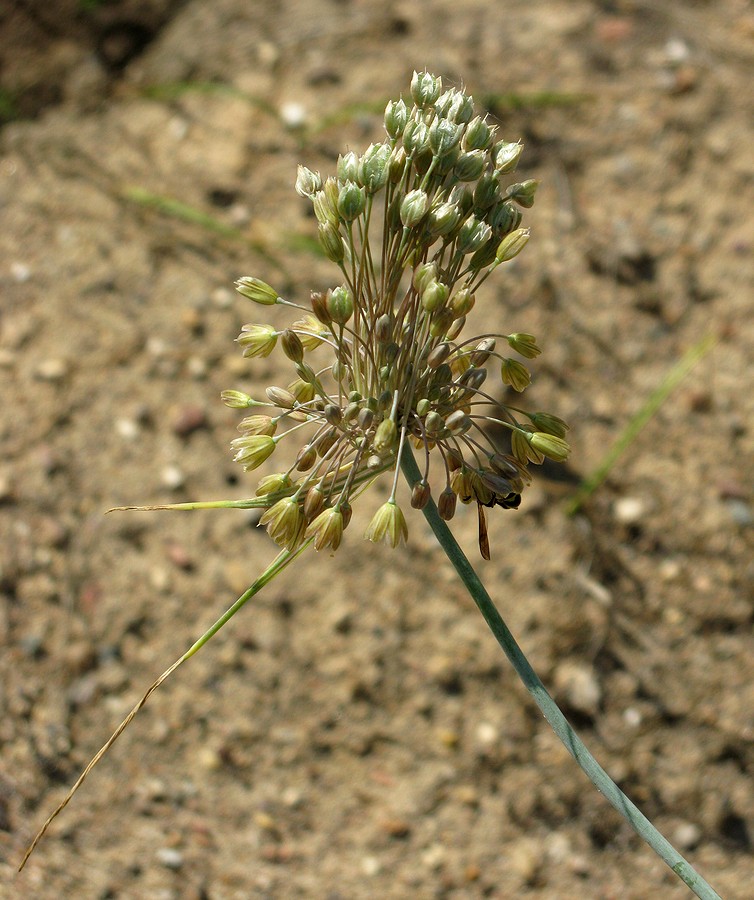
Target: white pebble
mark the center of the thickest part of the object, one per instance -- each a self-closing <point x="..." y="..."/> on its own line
<point x="20" y="272"/>
<point x="293" y="115"/>
<point x="629" y="510"/>
<point x="127" y="429"/>
<point x="170" y="858"/>
<point x="172" y="477"/>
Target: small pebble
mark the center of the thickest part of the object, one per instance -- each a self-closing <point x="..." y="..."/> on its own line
<point x="687" y="836"/>
<point x="741" y="513"/>
<point x="629" y="510"/>
<point x="20" y="272"/>
<point x="579" y="686"/>
<point x="486" y="734"/>
<point x="222" y="297"/>
<point x="632" y="717"/>
<point x="127" y="429"/>
<point x="170" y="858"/>
<point x="172" y="477"/>
<point x="179" y="556"/>
<point x="293" y="115"/>
<point x="370" y="866"/>
<point x="189" y="419"/>
<point x="54" y="369"/>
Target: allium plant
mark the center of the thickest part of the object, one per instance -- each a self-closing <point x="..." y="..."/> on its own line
<point x="382" y="364"/>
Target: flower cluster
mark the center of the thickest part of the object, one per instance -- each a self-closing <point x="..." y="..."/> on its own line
<point x="416" y="224"/>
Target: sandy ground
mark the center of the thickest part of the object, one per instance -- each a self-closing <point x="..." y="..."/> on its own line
<point x="356" y="732"/>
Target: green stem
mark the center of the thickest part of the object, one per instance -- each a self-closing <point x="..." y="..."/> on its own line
<point x="571" y="741"/>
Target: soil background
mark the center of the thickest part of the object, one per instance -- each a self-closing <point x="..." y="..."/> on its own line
<point x="356" y="732"/>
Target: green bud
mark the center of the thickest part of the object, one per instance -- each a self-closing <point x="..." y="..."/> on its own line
<point x="302" y="390"/>
<point x="424" y="275"/>
<point x="374" y="167"/>
<point x="512" y="244"/>
<point x="506" y="156"/>
<point x="306" y="458"/>
<point x="478" y="135"/>
<point x="473" y="234"/>
<point x="347" y="167"/>
<point x="423" y="407"/>
<point x="425" y="89"/>
<point x="444" y="219"/>
<point x="504" y="217"/>
<point x="415" y="137"/>
<point x="351" y="201"/>
<point x="458" y="422"/>
<point x="461" y="107"/>
<point x="388" y="525"/>
<point x="385" y="437"/>
<point x="340" y="305"/>
<point x="325" y="210"/>
<point x="331" y="242"/>
<point x="549" y="424"/>
<point x="486" y="192"/>
<point x="307" y="182"/>
<point x="414" y="207"/>
<point x="434" y="295"/>
<point x="444" y="136"/>
<point x="257" y="340"/>
<point x="442" y="319"/>
<point x="257" y="290"/>
<point x="515" y="374"/>
<point x="470" y="165"/>
<point x="438" y="355"/>
<point x="550" y="445"/>
<point x="522" y="449"/>
<point x="462" y="302"/>
<point x="396" y="116"/>
<point x="523" y="193"/>
<point x="523" y="343"/>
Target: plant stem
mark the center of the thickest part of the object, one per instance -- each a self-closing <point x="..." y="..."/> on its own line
<point x="571" y="741"/>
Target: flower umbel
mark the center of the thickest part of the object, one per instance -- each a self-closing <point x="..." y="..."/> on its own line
<point x="416" y="225"/>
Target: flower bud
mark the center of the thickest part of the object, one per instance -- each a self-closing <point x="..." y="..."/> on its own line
<point x="444" y="219"/>
<point x="396" y="116"/>
<point x="478" y="135"/>
<point x="446" y="504"/>
<point x="512" y="244"/>
<point x="473" y="234"/>
<point x="324" y="209"/>
<point x="292" y="346"/>
<point x="553" y="447"/>
<point x="515" y="374"/>
<point x="523" y="343"/>
<point x="523" y="193"/>
<point x="444" y="136"/>
<point x="549" y="424"/>
<point x="462" y="302"/>
<point x="280" y="397"/>
<point x="314" y="503"/>
<point x="438" y="355"/>
<point x="506" y="156"/>
<point x="374" y="167"/>
<point x="279" y="483"/>
<point x="319" y="307"/>
<point x="331" y="242"/>
<point x="310" y="332"/>
<point x="306" y="458"/>
<point x="470" y="165"/>
<point x="385" y="437"/>
<point x="347" y="167"/>
<point x="425" y="89"/>
<point x="458" y="422"/>
<point x="420" y="494"/>
<point x="442" y="319"/>
<point x="423" y="275"/>
<point x="415" y="138"/>
<point x="351" y="201"/>
<point x="257" y="290"/>
<point x="414" y="208"/>
<point x="258" y="425"/>
<point x="307" y="182"/>
<point x="486" y="192"/>
<point x="340" y="305"/>
<point x="482" y="351"/>
<point x="504" y="217"/>
<point x="302" y="390"/>
<point x="434" y="296"/>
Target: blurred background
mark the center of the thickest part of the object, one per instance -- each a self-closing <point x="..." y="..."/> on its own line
<point x="355" y="731"/>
